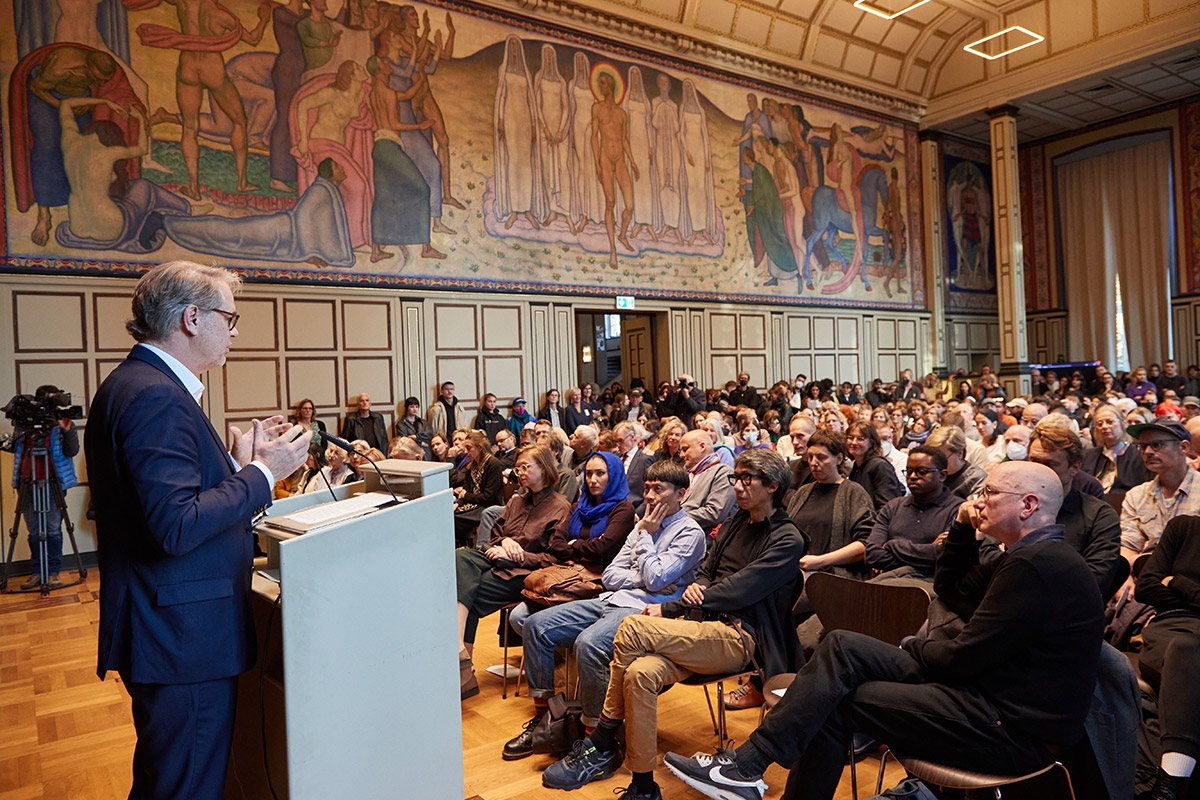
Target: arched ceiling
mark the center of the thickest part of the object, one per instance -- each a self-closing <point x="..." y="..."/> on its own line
<point x="914" y="66"/>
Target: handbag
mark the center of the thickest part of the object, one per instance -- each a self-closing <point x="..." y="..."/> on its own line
<point x="560" y="727"/>
<point x="562" y="583"/>
<point x="909" y="789"/>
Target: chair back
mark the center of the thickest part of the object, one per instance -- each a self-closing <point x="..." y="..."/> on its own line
<point x="884" y="611"/>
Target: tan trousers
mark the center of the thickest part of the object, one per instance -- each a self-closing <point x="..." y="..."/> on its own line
<point x="652" y="652"/>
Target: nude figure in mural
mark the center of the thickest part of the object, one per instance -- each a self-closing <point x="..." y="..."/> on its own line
<point x="893" y="223"/>
<point x="206" y="29"/>
<point x="614" y="162"/>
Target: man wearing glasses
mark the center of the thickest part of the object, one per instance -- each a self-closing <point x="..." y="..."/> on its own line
<point x="738" y="610"/>
<point x="1174" y="490"/>
<point x="174" y="511"/>
<point x="630" y="437"/>
<point x="902" y="541"/>
<point x="1000" y="697"/>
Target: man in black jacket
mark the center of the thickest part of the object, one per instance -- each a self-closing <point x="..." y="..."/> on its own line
<point x="366" y="425"/>
<point x="739" y="606"/>
<point x="1012" y="686"/>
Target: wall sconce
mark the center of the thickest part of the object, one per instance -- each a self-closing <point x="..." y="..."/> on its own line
<point x="587" y="354"/>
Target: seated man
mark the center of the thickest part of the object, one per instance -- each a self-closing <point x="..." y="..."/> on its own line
<point x="902" y="541"/>
<point x="658" y="560"/>
<point x="1013" y="685"/>
<point x="631" y="437"/>
<point x="738" y="609"/>
<point x="962" y="477"/>
<point x="710" y="500"/>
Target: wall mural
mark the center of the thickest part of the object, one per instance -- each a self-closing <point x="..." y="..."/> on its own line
<point x="970" y="246"/>
<point x="373" y="143"/>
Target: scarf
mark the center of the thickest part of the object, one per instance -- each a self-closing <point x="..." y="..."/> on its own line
<point x="593" y="513"/>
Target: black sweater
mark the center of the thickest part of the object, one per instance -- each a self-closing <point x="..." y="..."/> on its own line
<point x="1178" y="554"/>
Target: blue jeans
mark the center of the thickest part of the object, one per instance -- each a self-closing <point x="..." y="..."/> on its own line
<point x="588" y="624"/>
<point x="54" y="540"/>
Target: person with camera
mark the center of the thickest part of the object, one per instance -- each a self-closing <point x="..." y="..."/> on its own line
<point x="61" y="441"/>
<point x="684" y="401"/>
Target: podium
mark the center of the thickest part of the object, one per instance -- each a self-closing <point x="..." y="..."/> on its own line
<point x="355" y="693"/>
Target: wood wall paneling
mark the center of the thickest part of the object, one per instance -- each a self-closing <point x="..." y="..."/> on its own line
<point x="463" y="372"/>
<point x="722" y="331"/>
<point x="412" y="339"/>
<point x="314" y="377"/>
<point x="252" y="384"/>
<point x="502" y="377"/>
<point x="756" y="365"/>
<point x="696" y="345"/>
<point x="752" y="331"/>
<point x="309" y="325"/>
<point x="49" y="322"/>
<point x="501" y="328"/>
<point x="110" y="312"/>
<point x="367" y="325"/>
<point x="723" y="365"/>
<point x="371" y="374"/>
<point x="565" y="347"/>
<point x="824" y="333"/>
<point x="258" y="329"/>
<point x="454" y="327"/>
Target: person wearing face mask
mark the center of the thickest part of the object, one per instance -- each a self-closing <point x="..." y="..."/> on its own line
<point x="1114" y="460"/>
<point x="754" y="438"/>
<point x="887" y="446"/>
<point x="1016" y="443"/>
<point x="744" y="395"/>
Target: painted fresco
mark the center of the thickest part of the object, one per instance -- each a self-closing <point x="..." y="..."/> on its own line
<point x="970" y="244"/>
<point x="366" y="142"/>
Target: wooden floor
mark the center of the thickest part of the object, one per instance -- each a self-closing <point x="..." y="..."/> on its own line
<point x="66" y="734"/>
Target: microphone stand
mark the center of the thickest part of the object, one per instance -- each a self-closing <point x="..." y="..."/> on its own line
<point x="349" y="448"/>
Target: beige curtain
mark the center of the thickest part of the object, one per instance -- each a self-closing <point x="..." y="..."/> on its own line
<point x="1114" y="211"/>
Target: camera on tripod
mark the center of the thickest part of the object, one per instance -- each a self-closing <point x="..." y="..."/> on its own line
<point x="34" y="412"/>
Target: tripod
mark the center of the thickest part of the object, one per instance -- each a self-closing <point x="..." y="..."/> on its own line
<point x="37" y="488"/>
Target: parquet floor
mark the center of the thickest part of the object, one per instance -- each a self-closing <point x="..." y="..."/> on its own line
<point x="65" y="734"/>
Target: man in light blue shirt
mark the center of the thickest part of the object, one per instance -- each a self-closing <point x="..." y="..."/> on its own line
<point x="657" y="562"/>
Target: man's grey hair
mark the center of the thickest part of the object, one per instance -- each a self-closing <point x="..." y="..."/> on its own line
<point x="165" y="291"/>
<point x="771" y="466"/>
<point x="589" y="434"/>
<point x="638" y="431"/>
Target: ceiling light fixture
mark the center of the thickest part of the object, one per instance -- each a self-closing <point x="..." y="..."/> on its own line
<point x="864" y="5"/>
<point x="1034" y="38"/>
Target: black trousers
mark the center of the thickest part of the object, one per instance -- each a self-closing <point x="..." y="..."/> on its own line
<point x="1170" y="662"/>
<point x="183" y="737"/>
<point x="855" y="683"/>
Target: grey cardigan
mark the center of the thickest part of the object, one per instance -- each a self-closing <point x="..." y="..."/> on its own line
<point x="853" y="516"/>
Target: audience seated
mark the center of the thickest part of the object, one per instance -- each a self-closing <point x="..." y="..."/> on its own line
<point x="833" y="513"/>
<point x="631" y="437"/>
<point x="482" y="486"/>
<point x="1114" y="461"/>
<point x="710" y="499"/>
<point x="655" y="564"/>
<point x="1011" y="688"/>
<point x="749" y="576"/>
<point x="871" y="470"/>
<point x="666" y="446"/>
<point x="962" y="478"/>
<point x="1173" y="491"/>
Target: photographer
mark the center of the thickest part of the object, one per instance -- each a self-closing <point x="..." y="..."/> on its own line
<point x="37" y="427"/>
<point x="684" y="400"/>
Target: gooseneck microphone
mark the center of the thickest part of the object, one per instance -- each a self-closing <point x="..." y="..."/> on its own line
<point x="349" y="448"/>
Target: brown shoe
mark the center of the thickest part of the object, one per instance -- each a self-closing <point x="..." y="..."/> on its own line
<point x="56" y="582"/>
<point x="743" y="697"/>
<point x="468" y="686"/>
<point x="34" y="582"/>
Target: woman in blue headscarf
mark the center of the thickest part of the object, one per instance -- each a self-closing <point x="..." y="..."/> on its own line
<point x="602" y="518"/>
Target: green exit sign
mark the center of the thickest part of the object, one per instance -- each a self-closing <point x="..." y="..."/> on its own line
<point x="625" y="303"/>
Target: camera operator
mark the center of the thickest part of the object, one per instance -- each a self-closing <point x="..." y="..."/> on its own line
<point x="684" y="400"/>
<point x="62" y="442"/>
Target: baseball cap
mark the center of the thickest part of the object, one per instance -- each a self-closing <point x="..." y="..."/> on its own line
<point x="1018" y="402"/>
<point x="518" y="401"/>
<point x="1170" y="426"/>
<point x="1191" y="400"/>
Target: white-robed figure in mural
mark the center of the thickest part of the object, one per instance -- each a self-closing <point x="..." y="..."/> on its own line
<point x="518" y="162"/>
<point x="697" y="168"/>
<point x="668" y="158"/>
<point x="553" y="125"/>
<point x="587" y="203"/>
<point x="647" y="217"/>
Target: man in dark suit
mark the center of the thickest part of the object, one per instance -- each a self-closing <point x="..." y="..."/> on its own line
<point x="630" y="438"/>
<point x="173" y="517"/>
<point x="366" y="424"/>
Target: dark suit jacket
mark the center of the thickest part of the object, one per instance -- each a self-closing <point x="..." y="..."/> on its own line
<point x="371" y="430"/>
<point x="635" y="475"/>
<point x="173" y="524"/>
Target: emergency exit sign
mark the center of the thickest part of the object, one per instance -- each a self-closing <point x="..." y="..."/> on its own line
<point x="625" y="303"/>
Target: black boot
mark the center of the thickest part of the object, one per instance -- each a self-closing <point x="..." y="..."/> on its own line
<point x="1166" y="787"/>
<point x="522" y="745"/>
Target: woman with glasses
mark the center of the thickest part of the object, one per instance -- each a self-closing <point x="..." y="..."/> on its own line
<point x="1114" y="461"/>
<point x="834" y="513"/>
<point x="532" y="527"/>
<point x="871" y="470"/>
<point x="305" y="415"/>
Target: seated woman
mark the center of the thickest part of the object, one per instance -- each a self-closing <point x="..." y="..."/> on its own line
<point x="439" y="448"/>
<point x="1170" y="657"/>
<point x="335" y="473"/>
<point x="600" y="523"/>
<point x="991" y="435"/>
<point x="835" y="514"/>
<point x="1114" y="461"/>
<point x="669" y="436"/>
<point x="532" y="528"/>
<point x="482" y="486"/>
<point x="752" y="436"/>
<point x="871" y="470"/>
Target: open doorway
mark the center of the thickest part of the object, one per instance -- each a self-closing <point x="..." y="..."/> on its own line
<point x="617" y="347"/>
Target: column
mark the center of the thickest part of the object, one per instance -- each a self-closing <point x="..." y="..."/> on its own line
<point x="933" y="197"/>
<point x="1010" y="264"/>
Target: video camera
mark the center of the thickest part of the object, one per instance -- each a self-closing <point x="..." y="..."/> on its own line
<point x="33" y="412"/>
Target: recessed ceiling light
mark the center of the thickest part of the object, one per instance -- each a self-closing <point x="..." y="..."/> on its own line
<point x="865" y="5"/>
<point x="1033" y="38"/>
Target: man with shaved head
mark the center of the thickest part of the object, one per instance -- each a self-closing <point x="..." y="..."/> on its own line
<point x="1011" y="688"/>
<point x="710" y="499"/>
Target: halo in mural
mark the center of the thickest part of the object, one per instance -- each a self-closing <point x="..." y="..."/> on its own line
<point x="607" y="68"/>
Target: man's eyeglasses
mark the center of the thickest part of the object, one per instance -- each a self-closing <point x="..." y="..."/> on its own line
<point x="988" y="492"/>
<point x="920" y="472"/>
<point x="744" y="478"/>
<point x="1154" y="446"/>
<point x="233" y="317"/>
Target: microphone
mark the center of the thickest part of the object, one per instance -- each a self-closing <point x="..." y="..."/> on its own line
<point x="349" y="448"/>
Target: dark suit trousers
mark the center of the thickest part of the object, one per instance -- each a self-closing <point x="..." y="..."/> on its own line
<point x="183" y="736"/>
<point x="858" y="684"/>
<point x="1170" y="662"/>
